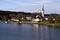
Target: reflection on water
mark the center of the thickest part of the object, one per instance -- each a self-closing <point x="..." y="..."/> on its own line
<point x="41" y="28"/>
<point x="13" y="31"/>
<point x="36" y="25"/>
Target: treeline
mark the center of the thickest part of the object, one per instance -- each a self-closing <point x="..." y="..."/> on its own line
<point x="54" y="18"/>
<point x="5" y="15"/>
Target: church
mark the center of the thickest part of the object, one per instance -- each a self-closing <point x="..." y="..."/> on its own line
<point x="42" y="16"/>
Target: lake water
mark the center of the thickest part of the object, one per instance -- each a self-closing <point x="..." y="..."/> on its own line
<point x="13" y="31"/>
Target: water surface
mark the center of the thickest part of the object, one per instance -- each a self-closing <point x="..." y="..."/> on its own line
<point x="13" y="31"/>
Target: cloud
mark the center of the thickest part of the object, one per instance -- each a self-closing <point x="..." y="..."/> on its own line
<point x="29" y="5"/>
<point x="47" y="1"/>
<point x="20" y="2"/>
<point x="13" y="5"/>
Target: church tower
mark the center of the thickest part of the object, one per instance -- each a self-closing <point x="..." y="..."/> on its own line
<point x="43" y="11"/>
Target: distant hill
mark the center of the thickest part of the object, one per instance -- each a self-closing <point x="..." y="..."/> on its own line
<point x="24" y="13"/>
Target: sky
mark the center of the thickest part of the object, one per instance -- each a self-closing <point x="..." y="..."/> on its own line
<point x="50" y="6"/>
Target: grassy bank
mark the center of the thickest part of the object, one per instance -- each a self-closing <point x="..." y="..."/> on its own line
<point x="50" y="24"/>
<point x="41" y="23"/>
<point x="57" y="24"/>
<point x="27" y="22"/>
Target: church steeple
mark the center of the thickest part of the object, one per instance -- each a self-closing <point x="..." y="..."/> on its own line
<point x="43" y="11"/>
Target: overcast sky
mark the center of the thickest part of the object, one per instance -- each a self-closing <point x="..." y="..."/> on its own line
<point x="51" y="6"/>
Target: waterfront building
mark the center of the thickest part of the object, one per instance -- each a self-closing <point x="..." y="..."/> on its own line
<point x="35" y="20"/>
<point x="28" y="18"/>
<point x="14" y="19"/>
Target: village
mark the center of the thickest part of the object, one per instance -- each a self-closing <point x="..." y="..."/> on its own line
<point x="30" y="18"/>
<point x="23" y="17"/>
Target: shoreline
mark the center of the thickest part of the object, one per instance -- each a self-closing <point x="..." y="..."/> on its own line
<point x="40" y="23"/>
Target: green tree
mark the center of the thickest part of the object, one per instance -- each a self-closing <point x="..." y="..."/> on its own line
<point x="50" y="20"/>
<point x="4" y="18"/>
<point x="57" y="19"/>
<point x="19" y="16"/>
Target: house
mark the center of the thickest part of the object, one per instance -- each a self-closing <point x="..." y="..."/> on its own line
<point x="35" y="20"/>
<point x="46" y="19"/>
<point x="22" y="19"/>
<point x="14" y="19"/>
<point x="29" y="18"/>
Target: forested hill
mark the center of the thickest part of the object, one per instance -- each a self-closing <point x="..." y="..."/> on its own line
<point x="26" y="13"/>
<point x="9" y="12"/>
<point x="4" y="15"/>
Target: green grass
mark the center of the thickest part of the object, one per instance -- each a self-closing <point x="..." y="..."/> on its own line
<point x="57" y="24"/>
<point x="41" y="23"/>
<point x="26" y="22"/>
<point x="50" y="24"/>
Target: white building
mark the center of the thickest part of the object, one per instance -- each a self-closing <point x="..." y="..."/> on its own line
<point x="28" y="18"/>
<point x="46" y="19"/>
<point x="42" y="11"/>
<point x="35" y="20"/>
<point x="13" y="19"/>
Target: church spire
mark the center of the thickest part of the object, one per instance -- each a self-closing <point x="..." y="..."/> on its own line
<point x="43" y="11"/>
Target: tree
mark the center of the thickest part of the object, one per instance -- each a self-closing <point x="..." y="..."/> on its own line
<point x="50" y="20"/>
<point x="19" y="16"/>
<point x="4" y="18"/>
<point x="57" y="19"/>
